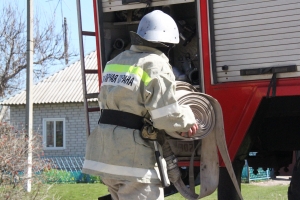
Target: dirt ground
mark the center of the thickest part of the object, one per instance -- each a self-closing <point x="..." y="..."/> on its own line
<point x="279" y="180"/>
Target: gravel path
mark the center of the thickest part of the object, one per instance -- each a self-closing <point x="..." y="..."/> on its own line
<point x="279" y="180"/>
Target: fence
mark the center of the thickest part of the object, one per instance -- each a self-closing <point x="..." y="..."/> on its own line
<point x="68" y="163"/>
<point x="249" y="175"/>
<point x="68" y="170"/>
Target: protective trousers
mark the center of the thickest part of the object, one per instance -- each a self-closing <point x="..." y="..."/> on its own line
<point x="127" y="190"/>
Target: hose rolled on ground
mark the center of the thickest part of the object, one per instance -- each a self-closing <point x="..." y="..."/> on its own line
<point x="208" y="114"/>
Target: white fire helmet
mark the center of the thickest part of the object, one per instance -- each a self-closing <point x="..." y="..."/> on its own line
<point x="157" y="27"/>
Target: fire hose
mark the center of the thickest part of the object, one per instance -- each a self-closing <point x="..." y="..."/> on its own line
<point x="208" y="114"/>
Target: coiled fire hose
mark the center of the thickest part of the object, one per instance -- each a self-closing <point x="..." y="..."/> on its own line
<point x="208" y="114"/>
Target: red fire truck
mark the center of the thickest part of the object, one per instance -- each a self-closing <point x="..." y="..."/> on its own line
<point x="244" y="53"/>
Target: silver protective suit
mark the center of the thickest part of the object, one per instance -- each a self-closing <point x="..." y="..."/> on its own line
<point x="138" y="81"/>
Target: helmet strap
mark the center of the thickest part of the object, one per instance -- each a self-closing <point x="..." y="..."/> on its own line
<point x="171" y="46"/>
<point x="166" y="50"/>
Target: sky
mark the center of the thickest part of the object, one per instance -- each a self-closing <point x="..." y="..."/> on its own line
<point x="47" y="9"/>
<point x="68" y="8"/>
<point x="60" y="9"/>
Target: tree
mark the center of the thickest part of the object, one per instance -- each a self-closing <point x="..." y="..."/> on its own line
<point x="48" y="47"/>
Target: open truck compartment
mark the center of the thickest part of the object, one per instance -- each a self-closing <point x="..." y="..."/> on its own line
<point x="115" y="24"/>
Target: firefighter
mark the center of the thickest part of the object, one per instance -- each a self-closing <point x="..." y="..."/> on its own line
<point x="137" y="84"/>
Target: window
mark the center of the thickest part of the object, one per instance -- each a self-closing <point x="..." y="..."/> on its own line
<point x="54" y="133"/>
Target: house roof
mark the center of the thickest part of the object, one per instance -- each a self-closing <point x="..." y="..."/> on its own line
<point x="63" y="86"/>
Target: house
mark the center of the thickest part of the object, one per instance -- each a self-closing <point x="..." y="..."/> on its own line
<point x="58" y="111"/>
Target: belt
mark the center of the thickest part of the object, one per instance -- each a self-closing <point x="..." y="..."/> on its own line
<point x="120" y="118"/>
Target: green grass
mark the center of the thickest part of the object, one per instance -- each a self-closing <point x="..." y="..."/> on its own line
<point x="81" y="191"/>
<point x="93" y="191"/>
<point x="249" y="192"/>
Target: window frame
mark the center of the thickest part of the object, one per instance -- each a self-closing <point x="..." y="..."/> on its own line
<point x="45" y="120"/>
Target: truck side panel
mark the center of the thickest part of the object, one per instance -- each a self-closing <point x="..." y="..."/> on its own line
<point x="255" y="34"/>
<point x="239" y="99"/>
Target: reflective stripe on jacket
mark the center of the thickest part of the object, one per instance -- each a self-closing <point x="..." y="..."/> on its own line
<point x="138" y="81"/>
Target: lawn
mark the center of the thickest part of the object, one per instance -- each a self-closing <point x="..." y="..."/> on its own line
<point x="93" y="191"/>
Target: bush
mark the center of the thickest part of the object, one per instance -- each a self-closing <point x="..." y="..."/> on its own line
<point x="58" y="176"/>
<point x="63" y="176"/>
<point x="14" y="165"/>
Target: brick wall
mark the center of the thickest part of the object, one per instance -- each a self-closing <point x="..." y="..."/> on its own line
<point x="75" y="124"/>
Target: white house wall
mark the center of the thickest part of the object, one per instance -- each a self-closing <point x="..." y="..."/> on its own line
<point x="75" y="124"/>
